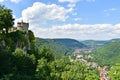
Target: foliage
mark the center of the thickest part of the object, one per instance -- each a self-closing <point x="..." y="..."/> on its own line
<point x="70" y="43"/>
<point x="76" y="71"/>
<point x="108" y="54"/>
<point x="63" y="69"/>
<point x="6" y="18"/>
<point x="114" y="72"/>
<point x="43" y="70"/>
<point x="31" y="36"/>
<point x="5" y="61"/>
<point x="42" y="66"/>
<point x="94" y="44"/>
<point x="59" y="50"/>
<point x="46" y="54"/>
<point x="24" y="64"/>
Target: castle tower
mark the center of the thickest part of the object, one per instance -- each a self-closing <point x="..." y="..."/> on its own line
<point x="23" y="26"/>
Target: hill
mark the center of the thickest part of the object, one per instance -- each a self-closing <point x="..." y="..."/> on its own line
<point x="70" y="43"/>
<point x="94" y="43"/>
<point x="108" y="54"/>
<point x="115" y="40"/>
<point x="58" y="49"/>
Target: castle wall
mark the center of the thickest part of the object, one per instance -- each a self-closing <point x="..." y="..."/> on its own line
<point x="23" y="26"/>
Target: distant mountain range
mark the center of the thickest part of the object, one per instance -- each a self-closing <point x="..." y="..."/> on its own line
<point x="73" y="44"/>
<point x="115" y="40"/>
<point x="60" y="47"/>
<point x="98" y="43"/>
<point x="70" y="43"/>
<point x="104" y="52"/>
<point x="94" y="43"/>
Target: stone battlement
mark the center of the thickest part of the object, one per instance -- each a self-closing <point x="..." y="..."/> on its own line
<point x="20" y="26"/>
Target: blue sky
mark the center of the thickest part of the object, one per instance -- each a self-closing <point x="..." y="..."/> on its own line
<point x="78" y="19"/>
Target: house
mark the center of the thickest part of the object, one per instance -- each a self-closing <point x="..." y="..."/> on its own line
<point x="79" y="56"/>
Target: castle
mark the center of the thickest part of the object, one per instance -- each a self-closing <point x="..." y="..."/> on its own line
<point x="20" y="26"/>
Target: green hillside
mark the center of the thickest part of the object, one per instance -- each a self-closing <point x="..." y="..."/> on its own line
<point x="108" y="54"/>
<point x="71" y="43"/>
<point x="93" y="43"/>
<point x="115" y="40"/>
<point x="58" y="49"/>
<point x="60" y="46"/>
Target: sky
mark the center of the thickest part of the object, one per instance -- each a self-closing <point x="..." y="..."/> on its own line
<point x="77" y="19"/>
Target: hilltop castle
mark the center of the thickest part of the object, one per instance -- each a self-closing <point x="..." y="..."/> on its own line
<point x="20" y="26"/>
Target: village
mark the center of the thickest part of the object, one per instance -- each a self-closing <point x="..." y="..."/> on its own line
<point x="84" y="55"/>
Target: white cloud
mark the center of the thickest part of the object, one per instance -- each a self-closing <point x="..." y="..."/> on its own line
<point x="78" y="19"/>
<point x="1" y="0"/>
<point x="15" y="1"/>
<point x="71" y="5"/>
<point x="18" y="20"/>
<point x="78" y="31"/>
<point x="90" y="0"/>
<point x="41" y="13"/>
<point x="74" y="1"/>
<point x="70" y="1"/>
<point x="14" y="16"/>
<point x="111" y="9"/>
<point x="108" y="12"/>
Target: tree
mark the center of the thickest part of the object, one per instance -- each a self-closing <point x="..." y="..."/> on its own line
<point x="5" y="61"/>
<point x="31" y="36"/>
<point x="6" y="18"/>
<point x="43" y="70"/>
<point x="46" y="53"/>
<point x="24" y="65"/>
<point x="115" y="72"/>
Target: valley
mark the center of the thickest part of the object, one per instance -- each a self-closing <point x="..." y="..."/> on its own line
<point x="39" y="40"/>
<point x="94" y="54"/>
<point x="84" y="55"/>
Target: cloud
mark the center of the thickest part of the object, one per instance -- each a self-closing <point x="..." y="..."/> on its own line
<point x="78" y="19"/>
<point x="90" y="0"/>
<point x="71" y="5"/>
<point x="74" y="1"/>
<point x="70" y="1"/>
<point x="1" y="0"/>
<point x="41" y="13"/>
<point x="78" y="31"/>
<point x="111" y="10"/>
<point x="15" y="1"/>
<point x="18" y="20"/>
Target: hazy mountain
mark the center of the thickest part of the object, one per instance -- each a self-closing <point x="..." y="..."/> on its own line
<point x="94" y="43"/>
<point x="115" y="40"/>
<point x="60" y="46"/>
<point x="71" y="43"/>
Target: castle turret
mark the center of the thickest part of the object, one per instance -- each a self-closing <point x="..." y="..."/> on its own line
<point x="23" y="26"/>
